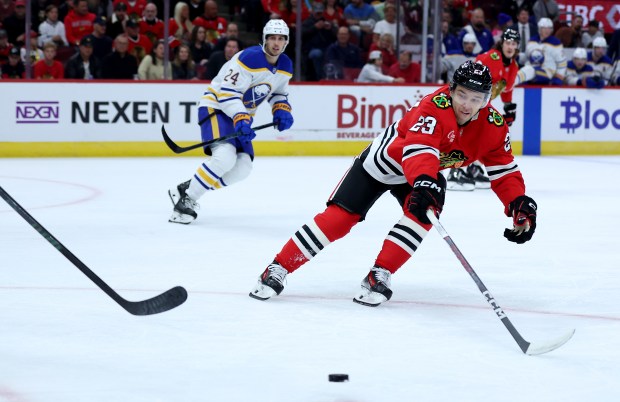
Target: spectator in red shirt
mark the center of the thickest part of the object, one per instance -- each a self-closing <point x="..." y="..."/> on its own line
<point x="79" y="22"/>
<point x="6" y="8"/>
<point x="212" y="22"/>
<point x="386" y="47"/>
<point x="405" y="68"/>
<point x="180" y="26"/>
<point x="135" y="8"/>
<point x="150" y="25"/>
<point x="139" y="45"/>
<point x="48" y="68"/>
<point x="334" y="13"/>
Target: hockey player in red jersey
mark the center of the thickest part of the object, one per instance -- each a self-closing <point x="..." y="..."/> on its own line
<point x="501" y="61"/>
<point x="450" y="127"/>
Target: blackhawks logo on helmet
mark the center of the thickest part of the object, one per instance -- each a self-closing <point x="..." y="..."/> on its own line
<point x="441" y="101"/>
<point x="495" y="118"/>
<point x="454" y="158"/>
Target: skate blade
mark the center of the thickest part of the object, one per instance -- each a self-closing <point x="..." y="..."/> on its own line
<point x="262" y="292"/>
<point x="364" y="303"/>
<point x="181" y="218"/>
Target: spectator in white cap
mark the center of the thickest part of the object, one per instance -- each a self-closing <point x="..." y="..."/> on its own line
<point x="599" y="60"/>
<point x="579" y="72"/>
<point x="545" y="61"/>
<point x="453" y="60"/>
<point x="371" y="72"/>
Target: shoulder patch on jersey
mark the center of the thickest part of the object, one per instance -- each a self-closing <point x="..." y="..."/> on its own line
<point x="494" y="56"/>
<point x="454" y="158"/>
<point x="495" y="118"/>
<point x="441" y="101"/>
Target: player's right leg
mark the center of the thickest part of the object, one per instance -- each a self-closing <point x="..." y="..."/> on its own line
<point x="348" y="205"/>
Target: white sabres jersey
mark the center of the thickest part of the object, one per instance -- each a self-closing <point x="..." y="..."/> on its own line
<point x="246" y="80"/>
<point x="548" y="54"/>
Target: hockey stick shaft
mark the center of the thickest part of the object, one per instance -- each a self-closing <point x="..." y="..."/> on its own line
<point x="179" y="150"/>
<point x="166" y="301"/>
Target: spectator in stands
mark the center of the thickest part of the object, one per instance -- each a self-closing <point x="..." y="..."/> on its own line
<point x="289" y="14"/>
<point x="274" y="8"/>
<point x="484" y="38"/>
<point x="139" y="45"/>
<point x="599" y="60"/>
<point x="79" y="22"/>
<point x="514" y="7"/>
<point x="196" y="8"/>
<point x="150" y="25"/>
<point x="102" y="43"/>
<point x="406" y="69"/>
<point x="119" y="64"/>
<point x="52" y="29"/>
<point x="452" y="61"/>
<point x="49" y="68"/>
<point x="576" y="27"/>
<point x="334" y="13"/>
<point x="232" y="31"/>
<point x="7" y="7"/>
<point x="342" y="54"/>
<point x="152" y="66"/>
<point x="371" y="72"/>
<point x="317" y="34"/>
<point x="527" y="30"/>
<point x="14" y="68"/>
<point x="201" y="50"/>
<point x="83" y="65"/>
<point x="450" y="41"/>
<point x="217" y="59"/>
<point x="36" y="54"/>
<point x="386" y="47"/>
<point x="180" y="26"/>
<point x="116" y="24"/>
<point x="592" y="33"/>
<point x="183" y="67"/>
<point x="579" y="72"/>
<point x="5" y="47"/>
<point x="361" y="18"/>
<point x="546" y="63"/>
<point x="546" y="9"/>
<point x="15" y="24"/>
<point x="211" y="21"/>
<point x="503" y="21"/>
<point x="135" y="8"/>
<point x="388" y="24"/>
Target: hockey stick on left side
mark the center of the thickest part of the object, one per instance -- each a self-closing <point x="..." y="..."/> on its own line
<point x="529" y="348"/>
<point x="166" y="301"/>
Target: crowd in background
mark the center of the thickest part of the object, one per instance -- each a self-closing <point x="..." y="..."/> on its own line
<point x="366" y="41"/>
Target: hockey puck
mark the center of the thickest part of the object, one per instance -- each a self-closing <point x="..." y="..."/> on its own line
<point x="338" y="377"/>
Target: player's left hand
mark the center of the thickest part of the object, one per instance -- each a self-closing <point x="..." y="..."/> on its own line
<point x="282" y="117"/>
<point x="523" y="212"/>
<point x="510" y="112"/>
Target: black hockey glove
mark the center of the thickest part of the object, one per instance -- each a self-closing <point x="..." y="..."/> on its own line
<point x="510" y="112"/>
<point x="523" y="212"/>
<point x="427" y="193"/>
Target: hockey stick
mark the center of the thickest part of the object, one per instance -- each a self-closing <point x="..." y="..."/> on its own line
<point x="179" y="150"/>
<point x="527" y="347"/>
<point x="166" y="301"/>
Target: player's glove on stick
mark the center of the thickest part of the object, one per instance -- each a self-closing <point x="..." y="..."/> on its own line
<point x="510" y="113"/>
<point x="426" y="193"/>
<point x="243" y="126"/>
<point x="523" y="212"/>
<point x="282" y="117"/>
<point x="595" y="82"/>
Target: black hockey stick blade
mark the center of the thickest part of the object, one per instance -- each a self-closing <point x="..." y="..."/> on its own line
<point x="527" y="347"/>
<point x="166" y="301"/>
<point x="179" y="150"/>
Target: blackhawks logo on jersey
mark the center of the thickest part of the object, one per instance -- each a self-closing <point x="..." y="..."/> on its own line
<point x="495" y="118"/>
<point x="454" y="158"/>
<point x="498" y="87"/>
<point x="494" y="56"/>
<point x="441" y="101"/>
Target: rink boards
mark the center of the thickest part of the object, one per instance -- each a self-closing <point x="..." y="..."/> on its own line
<point x="125" y="118"/>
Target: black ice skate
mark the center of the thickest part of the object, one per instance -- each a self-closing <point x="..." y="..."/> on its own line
<point x="479" y="175"/>
<point x="184" y="207"/>
<point x="459" y="180"/>
<point x="270" y="282"/>
<point x="375" y="288"/>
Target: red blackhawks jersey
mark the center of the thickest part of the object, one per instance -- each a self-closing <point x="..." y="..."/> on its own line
<point x="503" y="76"/>
<point x="428" y="139"/>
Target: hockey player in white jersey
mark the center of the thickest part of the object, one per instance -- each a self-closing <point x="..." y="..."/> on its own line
<point x="598" y="59"/>
<point x="452" y="61"/>
<point x="255" y="75"/>
<point x="545" y="62"/>
<point x="579" y="72"/>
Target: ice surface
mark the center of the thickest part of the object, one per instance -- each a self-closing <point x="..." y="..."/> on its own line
<point x="63" y="339"/>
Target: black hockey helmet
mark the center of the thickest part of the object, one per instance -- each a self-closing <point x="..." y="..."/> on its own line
<point x="474" y="76"/>
<point x="511" y="34"/>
